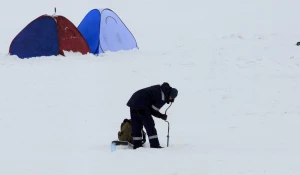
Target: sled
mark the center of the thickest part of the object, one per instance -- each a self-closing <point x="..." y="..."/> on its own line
<point x="116" y="143"/>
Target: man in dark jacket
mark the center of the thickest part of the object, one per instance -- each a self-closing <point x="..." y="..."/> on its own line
<point x="144" y="103"/>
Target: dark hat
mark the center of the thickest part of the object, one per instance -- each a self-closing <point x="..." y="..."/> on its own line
<point x="174" y="93"/>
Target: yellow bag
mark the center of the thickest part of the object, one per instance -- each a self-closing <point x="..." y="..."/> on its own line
<point x="125" y="133"/>
<point x="126" y="130"/>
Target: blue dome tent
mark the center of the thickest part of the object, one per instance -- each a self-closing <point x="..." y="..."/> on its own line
<point x="104" y="31"/>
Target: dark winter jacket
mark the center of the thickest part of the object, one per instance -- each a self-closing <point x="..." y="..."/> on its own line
<point x="151" y="98"/>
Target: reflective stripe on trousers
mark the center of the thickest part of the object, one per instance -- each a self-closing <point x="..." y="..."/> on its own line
<point x="153" y="137"/>
<point x="137" y="138"/>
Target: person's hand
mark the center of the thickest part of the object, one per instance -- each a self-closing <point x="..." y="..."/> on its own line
<point x="164" y="116"/>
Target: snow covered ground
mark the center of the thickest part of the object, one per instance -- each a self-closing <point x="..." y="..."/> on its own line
<point x="234" y="63"/>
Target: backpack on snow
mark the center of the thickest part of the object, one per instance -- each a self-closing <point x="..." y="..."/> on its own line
<point x="125" y="132"/>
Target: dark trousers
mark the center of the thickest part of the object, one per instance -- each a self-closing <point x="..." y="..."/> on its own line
<point x="140" y="118"/>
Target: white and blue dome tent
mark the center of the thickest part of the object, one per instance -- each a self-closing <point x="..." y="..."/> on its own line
<point x="104" y="31"/>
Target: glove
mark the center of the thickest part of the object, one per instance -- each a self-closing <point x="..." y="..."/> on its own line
<point x="163" y="116"/>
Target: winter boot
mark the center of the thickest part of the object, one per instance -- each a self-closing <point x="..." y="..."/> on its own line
<point x="154" y="143"/>
<point x="137" y="144"/>
<point x="156" y="146"/>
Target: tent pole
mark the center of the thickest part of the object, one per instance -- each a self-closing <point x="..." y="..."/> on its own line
<point x="54" y="11"/>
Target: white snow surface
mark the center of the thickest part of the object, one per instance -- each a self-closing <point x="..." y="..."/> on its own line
<point x="235" y="64"/>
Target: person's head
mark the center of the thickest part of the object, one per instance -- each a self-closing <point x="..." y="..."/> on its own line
<point x="173" y="94"/>
<point x="170" y="93"/>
